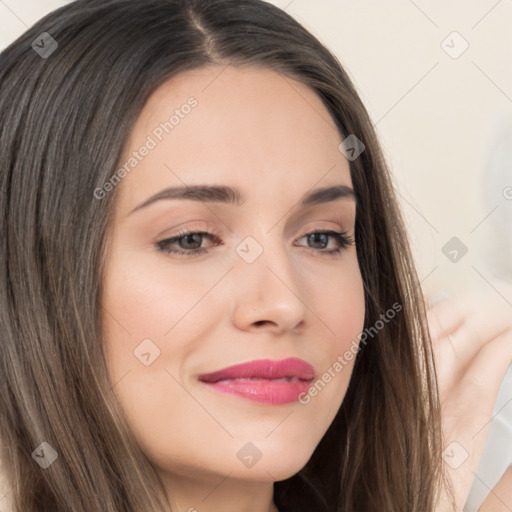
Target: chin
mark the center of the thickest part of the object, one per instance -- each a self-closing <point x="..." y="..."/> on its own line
<point x="272" y="471"/>
<point x="277" y="463"/>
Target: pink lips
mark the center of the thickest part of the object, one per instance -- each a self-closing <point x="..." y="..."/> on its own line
<point x="264" y="380"/>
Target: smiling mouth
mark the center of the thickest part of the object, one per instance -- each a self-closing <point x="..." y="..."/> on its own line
<point x="265" y="381"/>
<point x="260" y="379"/>
<point x="266" y="369"/>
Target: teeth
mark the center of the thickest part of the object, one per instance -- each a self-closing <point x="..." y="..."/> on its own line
<point x="287" y="379"/>
<point x="282" y="379"/>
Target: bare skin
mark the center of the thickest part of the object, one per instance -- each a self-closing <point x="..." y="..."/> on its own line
<point x="500" y="499"/>
<point x="472" y="335"/>
<point x="212" y="310"/>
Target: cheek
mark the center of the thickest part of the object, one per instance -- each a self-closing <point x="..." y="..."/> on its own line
<point x="150" y="323"/>
<point x="178" y="312"/>
<point x="339" y="303"/>
<point x="148" y="301"/>
<point x="341" y="314"/>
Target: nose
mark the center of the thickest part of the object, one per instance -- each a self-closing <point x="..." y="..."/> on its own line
<point x="268" y="294"/>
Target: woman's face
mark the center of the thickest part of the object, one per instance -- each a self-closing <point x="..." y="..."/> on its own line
<point x="259" y="288"/>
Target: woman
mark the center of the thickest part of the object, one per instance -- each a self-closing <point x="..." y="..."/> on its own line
<point x="131" y="130"/>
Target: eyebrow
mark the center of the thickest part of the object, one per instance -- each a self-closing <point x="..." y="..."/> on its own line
<point x="231" y="195"/>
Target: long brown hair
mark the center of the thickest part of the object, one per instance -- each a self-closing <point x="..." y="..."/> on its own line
<point x="64" y="118"/>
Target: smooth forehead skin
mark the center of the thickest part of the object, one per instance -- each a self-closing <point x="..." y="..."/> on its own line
<point x="273" y="139"/>
<point x="285" y="134"/>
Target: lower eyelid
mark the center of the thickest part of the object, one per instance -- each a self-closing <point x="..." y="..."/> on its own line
<point x="342" y="238"/>
<point x="172" y="240"/>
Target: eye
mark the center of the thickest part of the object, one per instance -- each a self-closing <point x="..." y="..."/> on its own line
<point x="322" y="238"/>
<point x="188" y="243"/>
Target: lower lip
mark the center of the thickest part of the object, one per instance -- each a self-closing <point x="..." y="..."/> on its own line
<point x="265" y="391"/>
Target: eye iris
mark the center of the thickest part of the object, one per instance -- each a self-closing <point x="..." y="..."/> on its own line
<point x="193" y="238"/>
<point x="319" y="238"/>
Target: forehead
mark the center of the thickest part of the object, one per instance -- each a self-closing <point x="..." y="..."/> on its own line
<point x="248" y="126"/>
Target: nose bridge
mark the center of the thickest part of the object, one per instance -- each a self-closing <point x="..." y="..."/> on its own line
<point x="268" y="288"/>
<point x="263" y="255"/>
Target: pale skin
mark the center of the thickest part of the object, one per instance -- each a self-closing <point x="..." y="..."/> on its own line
<point x="500" y="499"/>
<point x="471" y="365"/>
<point x="211" y="310"/>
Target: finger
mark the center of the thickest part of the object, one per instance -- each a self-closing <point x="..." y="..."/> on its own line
<point x="445" y="317"/>
<point x="487" y="314"/>
<point x="489" y="366"/>
<point x="432" y="298"/>
<point x="455" y="352"/>
<point x="464" y="342"/>
<point x="474" y="396"/>
<point x="448" y="367"/>
<point x="490" y="320"/>
<point x="467" y="340"/>
<point x="493" y="302"/>
<point x="468" y="407"/>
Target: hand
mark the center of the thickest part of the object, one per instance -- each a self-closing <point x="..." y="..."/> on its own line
<point x="472" y="341"/>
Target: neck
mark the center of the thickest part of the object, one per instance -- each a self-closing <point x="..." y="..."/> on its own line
<point x="214" y="493"/>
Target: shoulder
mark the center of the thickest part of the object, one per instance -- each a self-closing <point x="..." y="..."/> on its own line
<point x="6" y="504"/>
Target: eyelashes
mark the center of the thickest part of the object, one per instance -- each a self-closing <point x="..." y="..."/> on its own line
<point x="173" y="245"/>
<point x="169" y="244"/>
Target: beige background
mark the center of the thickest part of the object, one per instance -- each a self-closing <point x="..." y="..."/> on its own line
<point x="435" y="114"/>
<point x="437" y="119"/>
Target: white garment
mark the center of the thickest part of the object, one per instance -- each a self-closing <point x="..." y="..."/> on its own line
<point x="497" y="455"/>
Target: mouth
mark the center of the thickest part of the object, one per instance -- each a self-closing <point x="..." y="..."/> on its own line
<point x="265" y="381"/>
<point x="259" y="379"/>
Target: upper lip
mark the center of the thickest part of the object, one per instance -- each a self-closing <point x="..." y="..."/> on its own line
<point x="263" y="369"/>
